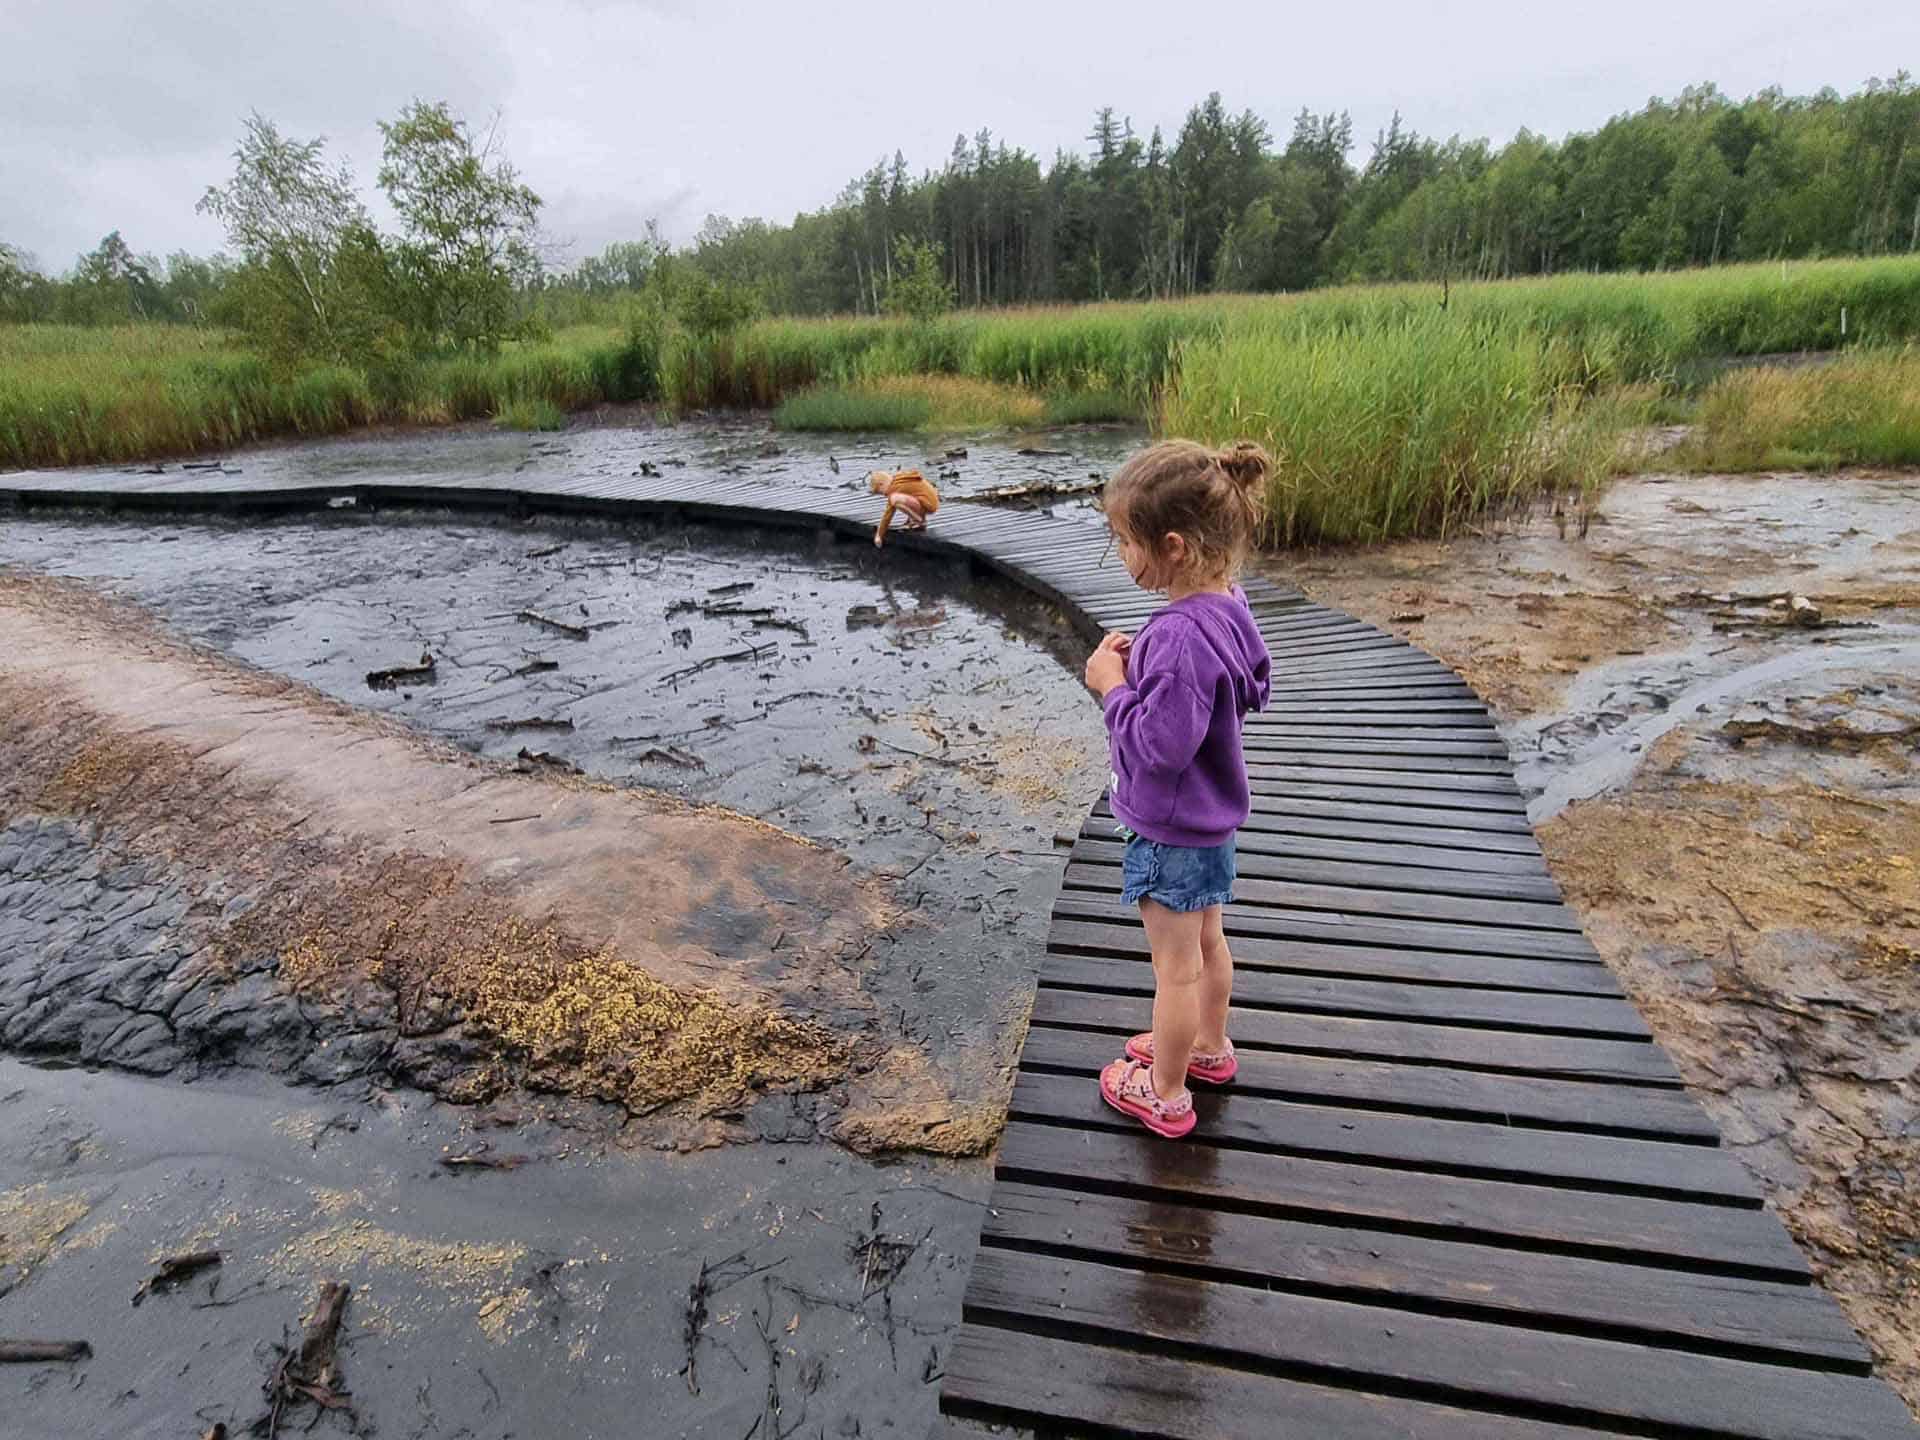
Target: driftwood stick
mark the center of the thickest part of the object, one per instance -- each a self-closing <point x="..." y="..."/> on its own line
<point x="559" y="627"/>
<point x="37" y="1352"/>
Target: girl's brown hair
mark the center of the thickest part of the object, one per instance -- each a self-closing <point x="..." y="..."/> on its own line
<point x="1213" y="499"/>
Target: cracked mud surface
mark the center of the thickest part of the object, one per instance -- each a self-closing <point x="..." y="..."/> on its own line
<point x="1731" y="802"/>
<point x="810" y="934"/>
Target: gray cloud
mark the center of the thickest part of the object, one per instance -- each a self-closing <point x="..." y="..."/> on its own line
<point x="120" y="115"/>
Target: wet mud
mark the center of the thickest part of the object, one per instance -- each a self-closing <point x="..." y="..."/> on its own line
<point x="1724" y="780"/>
<point x="694" y="867"/>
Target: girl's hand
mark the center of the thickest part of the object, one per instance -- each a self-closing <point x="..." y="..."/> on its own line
<point x="1107" y="666"/>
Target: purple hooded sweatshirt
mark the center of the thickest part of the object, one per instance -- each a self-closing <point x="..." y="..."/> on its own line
<point x="1196" y="667"/>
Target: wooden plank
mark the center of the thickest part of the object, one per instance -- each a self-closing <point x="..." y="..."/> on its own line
<point x="1416" y="1144"/>
<point x="1635" y="1111"/>
<point x="1309" y="846"/>
<point x="1715" y="1314"/>
<point x="1330" y="732"/>
<point x="1260" y="862"/>
<point x="1357" y="787"/>
<point x="1459" y="712"/>
<point x="1293" y="809"/>
<point x="1060" y="1385"/>
<point x="1562" y="1377"/>
<point x="1491" y="771"/>
<point x="1356" y="900"/>
<point x="1295" y="815"/>
<point x="1127" y="940"/>
<point x="1399" y="1042"/>
<point x="1343" y="928"/>
<point x="1637" y="1229"/>
<point x="1262" y="990"/>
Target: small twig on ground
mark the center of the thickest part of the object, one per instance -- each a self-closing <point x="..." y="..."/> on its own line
<point x="513" y="819"/>
<point x="38" y="1352"/>
<point x="671" y="755"/>
<point x="1734" y="903"/>
<point x="531" y="722"/>
<point x="752" y="652"/>
<point x="391" y="679"/>
<point x="559" y="627"/>
<point x="483" y="1159"/>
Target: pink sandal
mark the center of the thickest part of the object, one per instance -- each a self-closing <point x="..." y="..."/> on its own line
<point x="1208" y="1069"/>
<point x="1127" y="1086"/>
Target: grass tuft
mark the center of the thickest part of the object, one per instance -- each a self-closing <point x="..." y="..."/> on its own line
<point x="1861" y="409"/>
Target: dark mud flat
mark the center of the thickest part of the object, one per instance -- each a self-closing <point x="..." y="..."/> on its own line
<point x="868" y="703"/>
<point x="728" y="445"/>
<point x="563" y="1297"/>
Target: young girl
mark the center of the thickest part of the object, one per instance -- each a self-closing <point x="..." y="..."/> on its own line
<point x="1183" y="517"/>
<point x="907" y="491"/>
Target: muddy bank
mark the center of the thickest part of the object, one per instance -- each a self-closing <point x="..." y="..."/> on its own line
<point x="438" y="892"/>
<point x="1727" y="792"/>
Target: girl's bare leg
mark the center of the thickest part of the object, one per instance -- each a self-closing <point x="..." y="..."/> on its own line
<point x="1216" y="984"/>
<point x="1178" y="968"/>
<point x="916" y="516"/>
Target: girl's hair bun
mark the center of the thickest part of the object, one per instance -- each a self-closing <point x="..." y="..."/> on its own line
<point x="1245" y="464"/>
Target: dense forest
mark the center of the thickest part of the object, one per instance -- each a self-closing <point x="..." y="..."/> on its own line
<point x="1226" y="205"/>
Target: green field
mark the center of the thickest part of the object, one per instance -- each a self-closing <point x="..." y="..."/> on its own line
<point x="1389" y="411"/>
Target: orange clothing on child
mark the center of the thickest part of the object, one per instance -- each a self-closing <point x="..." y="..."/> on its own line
<point x="906" y="485"/>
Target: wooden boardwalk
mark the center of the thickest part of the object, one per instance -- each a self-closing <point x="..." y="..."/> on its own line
<point x="1457" y="1192"/>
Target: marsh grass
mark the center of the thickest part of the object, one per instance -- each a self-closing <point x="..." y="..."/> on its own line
<point x="71" y="395"/>
<point x="944" y="403"/>
<point x="1396" y="409"/>
<point x="1411" y="428"/>
<point x="531" y="414"/>
<point x="1860" y="409"/>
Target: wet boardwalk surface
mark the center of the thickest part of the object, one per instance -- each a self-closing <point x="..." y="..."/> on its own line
<point x="1457" y="1190"/>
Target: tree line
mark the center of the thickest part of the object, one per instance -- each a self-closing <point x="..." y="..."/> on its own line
<point x="1223" y="205"/>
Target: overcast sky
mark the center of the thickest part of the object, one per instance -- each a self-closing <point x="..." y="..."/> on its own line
<point x="119" y="115"/>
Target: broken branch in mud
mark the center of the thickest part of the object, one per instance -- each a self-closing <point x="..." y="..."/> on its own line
<point x="535" y="667"/>
<point x="671" y="755"/>
<point x="174" y="1270"/>
<point x="483" y="1159"/>
<point x="752" y="652"/>
<point x="1040" y="489"/>
<point x="1830" y="736"/>
<point x="422" y="674"/>
<point x="531" y="722"/>
<point x="763" y="617"/>
<point x="543" y="553"/>
<point x="41" y="1352"/>
<point x="311" y="1372"/>
<point x="558" y="627"/>
<point x="533" y="758"/>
